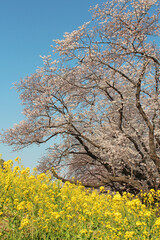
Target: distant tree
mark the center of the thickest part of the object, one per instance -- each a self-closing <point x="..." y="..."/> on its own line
<point x="101" y="98"/>
<point x="1" y="161"/>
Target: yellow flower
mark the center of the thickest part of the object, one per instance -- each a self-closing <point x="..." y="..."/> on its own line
<point x="46" y="228"/>
<point x="41" y="176"/>
<point x="24" y="223"/>
<point x="21" y="205"/>
<point x="117" y="197"/>
<point x="7" y="200"/>
<point x="102" y="189"/>
<point x="17" y="159"/>
<point x="147" y="213"/>
<point x="108" y="225"/>
<point x="16" y="201"/>
<point x="157" y="223"/>
<point x="32" y="178"/>
<point x="36" y="198"/>
<point x="83" y="231"/>
<point x="44" y="186"/>
<point x="29" y="206"/>
<point x="138" y="223"/>
<point x="118" y="216"/>
<point x="129" y="235"/>
<point x="40" y="212"/>
<point x="55" y="215"/>
<point x="16" y="169"/>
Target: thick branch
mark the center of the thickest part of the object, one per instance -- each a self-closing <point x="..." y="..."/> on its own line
<point x="153" y="154"/>
<point x="135" y="184"/>
<point x="90" y="154"/>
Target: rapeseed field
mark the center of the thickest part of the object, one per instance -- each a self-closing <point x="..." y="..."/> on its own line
<point x="33" y="206"/>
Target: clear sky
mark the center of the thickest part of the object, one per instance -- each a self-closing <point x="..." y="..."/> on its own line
<point x="27" y="29"/>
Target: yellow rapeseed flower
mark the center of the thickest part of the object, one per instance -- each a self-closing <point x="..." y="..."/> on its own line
<point x="50" y="208"/>
<point x="21" y="206"/>
<point x="129" y="235"/>
<point x="24" y="223"/>
<point x="117" y="197"/>
<point x="157" y="223"/>
<point x="138" y="223"/>
<point x="102" y="189"/>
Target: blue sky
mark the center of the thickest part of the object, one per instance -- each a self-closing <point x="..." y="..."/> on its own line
<point x="27" y="29"/>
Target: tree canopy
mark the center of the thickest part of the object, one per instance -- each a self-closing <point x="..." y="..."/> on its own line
<point x="97" y="100"/>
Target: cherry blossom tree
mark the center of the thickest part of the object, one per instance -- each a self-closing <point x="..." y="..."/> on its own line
<point x="98" y="103"/>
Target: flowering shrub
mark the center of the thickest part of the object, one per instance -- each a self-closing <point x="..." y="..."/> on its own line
<point x="33" y="206"/>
